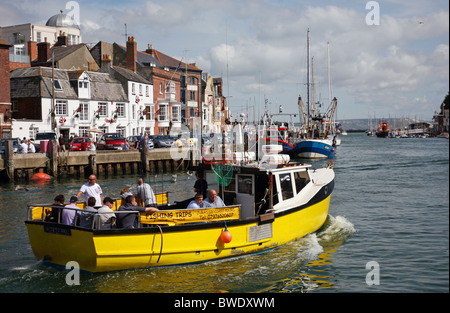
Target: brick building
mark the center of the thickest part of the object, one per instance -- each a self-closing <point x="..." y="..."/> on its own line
<point x="5" y="95"/>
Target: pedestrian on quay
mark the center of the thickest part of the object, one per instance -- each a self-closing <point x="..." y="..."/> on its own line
<point x="62" y="143"/>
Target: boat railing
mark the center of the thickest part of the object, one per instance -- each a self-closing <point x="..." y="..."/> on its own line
<point x="53" y="214"/>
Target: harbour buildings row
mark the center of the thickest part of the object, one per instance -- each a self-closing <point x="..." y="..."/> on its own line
<point x="50" y="80"/>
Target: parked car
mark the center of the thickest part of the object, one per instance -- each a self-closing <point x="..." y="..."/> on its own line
<point x="133" y="140"/>
<point x="43" y="136"/>
<point x="75" y="144"/>
<point x="111" y="141"/>
<point x="16" y="144"/>
<point x="163" y="141"/>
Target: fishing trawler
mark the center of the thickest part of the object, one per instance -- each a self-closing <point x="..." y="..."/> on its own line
<point x="270" y="202"/>
<point x="319" y="142"/>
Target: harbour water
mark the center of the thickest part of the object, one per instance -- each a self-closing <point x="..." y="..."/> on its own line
<point x="387" y="231"/>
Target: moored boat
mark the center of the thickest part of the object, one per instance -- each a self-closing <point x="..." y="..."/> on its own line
<point x="270" y="203"/>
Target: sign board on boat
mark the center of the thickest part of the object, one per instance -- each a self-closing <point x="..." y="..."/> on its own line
<point x="190" y="216"/>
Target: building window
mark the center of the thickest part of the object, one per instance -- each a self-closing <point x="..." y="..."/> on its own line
<point x="120" y="109"/>
<point x="132" y="89"/>
<point x="147" y="91"/>
<point x="72" y="39"/>
<point x="121" y="130"/>
<point x="150" y="112"/>
<point x="14" y="106"/>
<point x="161" y="88"/>
<point x="176" y="113"/>
<point x="182" y="81"/>
<point x="38" y="37"/>
<point x="140" y="89"/>
<point x="163" y="112"/>
<point x="57" y="85"/>
<point x="192" y="95"/>
<point x="33" y="131"/>
<point x="61" y="107"/>
<point x="102" y="109"/>
<point x="83" y="131"/>
<point x="84" y="113"/>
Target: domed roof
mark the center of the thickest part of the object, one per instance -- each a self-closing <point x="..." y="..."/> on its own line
<point x="61" y="20"/>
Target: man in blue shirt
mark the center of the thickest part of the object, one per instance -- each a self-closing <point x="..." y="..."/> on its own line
<point x="213" y="200"/>
<point x="196" y="203"/>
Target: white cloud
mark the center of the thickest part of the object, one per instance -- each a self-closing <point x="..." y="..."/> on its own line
<point x="374" y="68"/>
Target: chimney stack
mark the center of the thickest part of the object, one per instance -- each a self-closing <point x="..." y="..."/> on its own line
<point x="131" y="54"/>
<point x="43" y="49"/>
<point x="63" y="40"/>
<point x="106" y="61"/>
<point x="149" y="49"/>
<point x="32" y="50"/>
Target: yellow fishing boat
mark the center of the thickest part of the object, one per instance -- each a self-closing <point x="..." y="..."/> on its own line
<point x="268" y="208"/>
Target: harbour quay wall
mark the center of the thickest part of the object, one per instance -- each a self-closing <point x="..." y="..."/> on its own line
<point x="15" y="167"/>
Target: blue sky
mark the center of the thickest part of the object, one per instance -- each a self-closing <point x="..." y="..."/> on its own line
<point x="399" y="68"/>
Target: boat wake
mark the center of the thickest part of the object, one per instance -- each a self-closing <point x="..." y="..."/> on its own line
<point x="335" y="231"/>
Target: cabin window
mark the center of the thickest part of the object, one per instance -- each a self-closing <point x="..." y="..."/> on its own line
<point x="245" y="184"/>
<point x="286" y="186"/>
<point x="301" y="179"/>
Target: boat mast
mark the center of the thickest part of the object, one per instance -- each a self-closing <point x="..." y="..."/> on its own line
<point x="307" y="81"/>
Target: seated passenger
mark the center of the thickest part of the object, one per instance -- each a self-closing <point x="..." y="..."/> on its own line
<point x="130" y="220"/>
<point x="124" y="192"/>
<point x="213" y="200"/>
<point x="107" y="216"/>
<point x="88" y="214"/>
<point x="54" y="215"/>
<point x="196" y="203"/>
<point x="68" y="216"/>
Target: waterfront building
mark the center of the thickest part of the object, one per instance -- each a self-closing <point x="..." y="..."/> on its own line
<point x="73" y="103"/>
<point x="141" y="108"/>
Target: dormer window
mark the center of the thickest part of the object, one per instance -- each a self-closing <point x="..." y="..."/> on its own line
<point x="57" y="85"/>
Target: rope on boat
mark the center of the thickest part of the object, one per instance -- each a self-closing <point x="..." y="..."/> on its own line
<point x="160" y="250"/>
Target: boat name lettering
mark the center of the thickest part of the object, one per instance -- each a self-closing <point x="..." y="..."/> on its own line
<point x="57" y="230"/>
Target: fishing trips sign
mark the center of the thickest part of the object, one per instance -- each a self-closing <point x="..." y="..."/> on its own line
<point x="190" y="216"/>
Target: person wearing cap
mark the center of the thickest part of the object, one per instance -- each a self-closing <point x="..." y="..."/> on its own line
<point x="107" y="216"/>
<point x="68" y="215"/>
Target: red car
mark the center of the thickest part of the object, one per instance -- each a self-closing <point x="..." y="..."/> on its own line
<point x="76" y="143"/>
<point x="111" y="141"/>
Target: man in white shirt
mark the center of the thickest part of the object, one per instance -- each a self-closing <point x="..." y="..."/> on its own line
<point x="196" y="203"/>
<point x="92" y="189"/>
<point x="23" y="148"/>
<point x="31" y="148"/>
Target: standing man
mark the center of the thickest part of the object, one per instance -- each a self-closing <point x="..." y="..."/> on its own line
<point x="145" y="193"/>
<point x="62" y="143"/>
<point x="23" y="148"/>
<point x="200" y="186"/>
<point x="92" y="189"/>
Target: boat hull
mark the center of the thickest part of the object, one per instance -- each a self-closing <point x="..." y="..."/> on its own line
<point x="314" y="149"/>
<point x="118" y="249"/>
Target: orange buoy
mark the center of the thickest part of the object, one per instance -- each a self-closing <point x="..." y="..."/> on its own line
<point x="225" y="236"/>
<point x="41" y="176"/>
